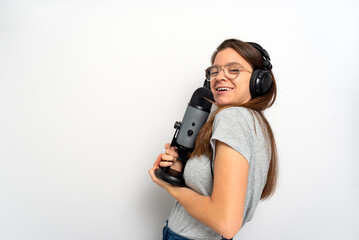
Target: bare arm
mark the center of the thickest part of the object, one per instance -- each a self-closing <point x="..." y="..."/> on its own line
<point x="223" y="211"/>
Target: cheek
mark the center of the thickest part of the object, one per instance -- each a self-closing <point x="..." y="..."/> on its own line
<point x="242" y="88"/>
<point x="214" y="94"/>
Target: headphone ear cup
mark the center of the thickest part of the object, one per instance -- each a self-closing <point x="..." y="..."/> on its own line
<point x="252" y="83"/>
<point x="260" y="83"/>
<point x="266" y="82"/>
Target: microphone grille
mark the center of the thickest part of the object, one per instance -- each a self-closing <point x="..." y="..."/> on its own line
<point x="199" y="99"/>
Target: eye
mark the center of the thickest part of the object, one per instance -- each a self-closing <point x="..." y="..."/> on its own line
<point x="213" y="71"/>
<point x="233" y="70"/>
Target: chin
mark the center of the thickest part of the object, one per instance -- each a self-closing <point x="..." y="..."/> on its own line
<point x="223" y="103"/>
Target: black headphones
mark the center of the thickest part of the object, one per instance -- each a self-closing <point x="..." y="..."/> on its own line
<point x="261" y="80"/>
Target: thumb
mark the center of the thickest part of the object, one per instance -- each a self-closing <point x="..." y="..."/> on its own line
<point x="158" y="160"/>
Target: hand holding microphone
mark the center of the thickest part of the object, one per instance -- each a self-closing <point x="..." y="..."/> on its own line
<point x="169" y="158"/>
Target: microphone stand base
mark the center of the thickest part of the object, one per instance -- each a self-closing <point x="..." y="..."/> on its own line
<point x="171" y="176"/>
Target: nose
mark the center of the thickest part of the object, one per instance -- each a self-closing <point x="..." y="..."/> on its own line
<point x="221" y="75"/>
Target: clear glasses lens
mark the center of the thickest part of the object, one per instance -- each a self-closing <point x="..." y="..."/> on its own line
<point x="231" y="71"/>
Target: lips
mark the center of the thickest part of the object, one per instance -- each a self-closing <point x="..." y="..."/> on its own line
<point x="223" y="89"/>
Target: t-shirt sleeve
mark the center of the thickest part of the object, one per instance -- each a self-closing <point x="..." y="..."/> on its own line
<point x="232" y="126"/>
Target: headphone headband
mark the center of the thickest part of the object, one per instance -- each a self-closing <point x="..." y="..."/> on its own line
<point x="265" y="55"/>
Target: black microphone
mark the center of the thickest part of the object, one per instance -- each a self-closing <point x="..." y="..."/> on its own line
<point x="184" y="139"/>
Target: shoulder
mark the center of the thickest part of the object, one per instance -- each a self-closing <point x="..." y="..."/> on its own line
<point x="235" y="127"/>
<point x="234" y="122"/>
<point x="235" y="115"/>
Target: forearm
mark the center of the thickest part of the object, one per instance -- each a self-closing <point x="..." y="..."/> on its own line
<point x="204" y="209"/>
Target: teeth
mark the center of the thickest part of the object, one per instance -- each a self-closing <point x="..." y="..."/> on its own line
<point x="223" y="89"/>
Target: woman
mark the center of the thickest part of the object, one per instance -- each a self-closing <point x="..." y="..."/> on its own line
<point x="234" y="163"/>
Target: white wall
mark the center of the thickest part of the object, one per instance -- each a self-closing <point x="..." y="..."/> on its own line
<point x="89" y="92"/>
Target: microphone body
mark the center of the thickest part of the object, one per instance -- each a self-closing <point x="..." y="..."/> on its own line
<point x="193" y="121"/>
<point x="184" y="139"/>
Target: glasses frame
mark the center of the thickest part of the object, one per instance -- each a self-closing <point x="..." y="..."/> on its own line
<point x="222" y="67"/>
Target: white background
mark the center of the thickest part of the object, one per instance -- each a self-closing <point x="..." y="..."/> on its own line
<point x="90" y="90"/>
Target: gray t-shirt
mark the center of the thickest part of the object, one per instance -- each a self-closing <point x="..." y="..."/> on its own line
<point x="240" y="129"/>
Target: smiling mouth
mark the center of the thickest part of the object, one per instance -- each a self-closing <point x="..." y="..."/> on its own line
<point x="223" y="89"/>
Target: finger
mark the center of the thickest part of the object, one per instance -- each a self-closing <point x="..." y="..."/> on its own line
<point x="166" y="164"/>
<point x="166" y="157"/>
<point x="172" y="152"/>
<point x="168" y="145"/>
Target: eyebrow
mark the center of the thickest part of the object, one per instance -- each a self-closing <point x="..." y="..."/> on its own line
<point x="240" y="65"/>
<point x="227" y="64"/>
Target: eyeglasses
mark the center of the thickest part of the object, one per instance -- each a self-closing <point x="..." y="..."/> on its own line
<point x="231" y="71"/>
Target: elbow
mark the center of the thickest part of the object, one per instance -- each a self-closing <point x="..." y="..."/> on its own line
<point x="228" y="229"/>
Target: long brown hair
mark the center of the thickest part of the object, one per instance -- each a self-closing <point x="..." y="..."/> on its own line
<point x="256" y="106"/>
